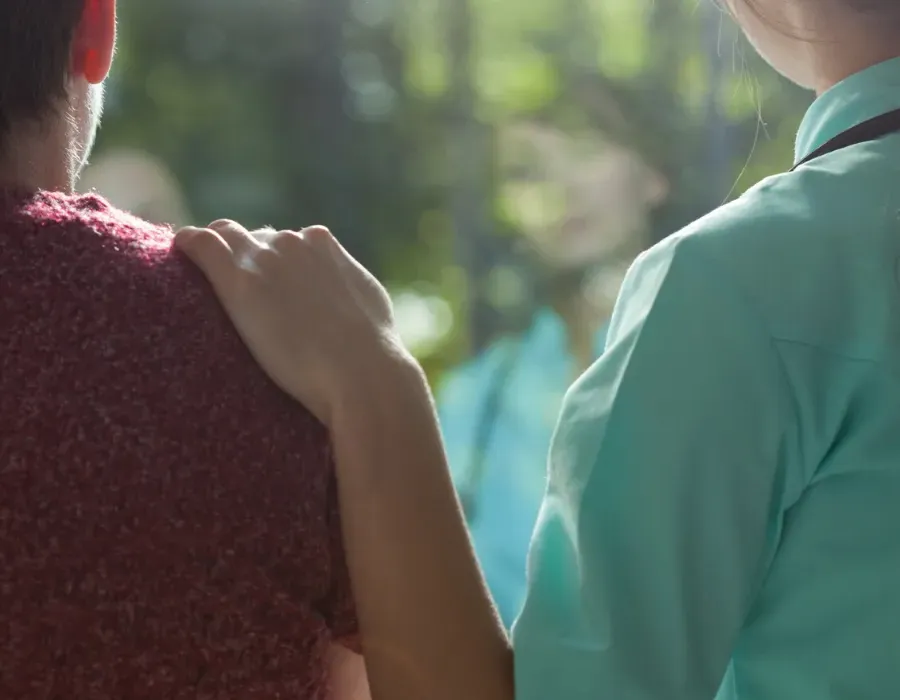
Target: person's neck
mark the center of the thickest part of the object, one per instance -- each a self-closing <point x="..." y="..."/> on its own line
<point x="837" y="71"/>
<point x="581" y="319"/>
<point x="37" y="158"/>
<point x="845" y="48"/>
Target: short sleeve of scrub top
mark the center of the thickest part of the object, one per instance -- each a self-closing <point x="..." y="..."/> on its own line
<point x="664" y="470"/>
<point x="721" y="515"/>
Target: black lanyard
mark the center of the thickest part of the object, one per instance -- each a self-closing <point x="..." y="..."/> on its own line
<point x="870" y="130"/>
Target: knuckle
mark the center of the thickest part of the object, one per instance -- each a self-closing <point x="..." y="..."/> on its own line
<point x="201" y="238"/>
<point x="266" y="259"/>
<point x="287" y="242"/>
<point x="225" y="224"/>
<point x="220" y="223"/>
<point x="317" y="234"/>
<point x="263" y="235"/>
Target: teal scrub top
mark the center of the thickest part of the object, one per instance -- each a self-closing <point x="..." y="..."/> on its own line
<point x="722" y="516"/>
<point x="510" y="488"/>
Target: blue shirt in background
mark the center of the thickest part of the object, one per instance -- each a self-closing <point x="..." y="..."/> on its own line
<point x="513" y="478"/>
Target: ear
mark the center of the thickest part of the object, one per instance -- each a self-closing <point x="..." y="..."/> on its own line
<point x="94" y="42"/>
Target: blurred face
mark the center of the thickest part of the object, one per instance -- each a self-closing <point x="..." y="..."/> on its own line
<point x="577" y="199"/>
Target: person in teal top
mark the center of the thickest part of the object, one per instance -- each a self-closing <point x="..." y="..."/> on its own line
<point x="743" y="544"/>
<point x="499" y="408"/>
<point x="721" y="518"/>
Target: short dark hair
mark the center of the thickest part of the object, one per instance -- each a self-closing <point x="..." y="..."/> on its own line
<point x="35" y="46"/>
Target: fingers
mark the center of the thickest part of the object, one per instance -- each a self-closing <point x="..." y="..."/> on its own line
<point x="311" y="237"/>
<point x="206" y="249"/>
<point x="218" y="253"/>
<point x="225" y="247"/>
<point x="320" y="238"/>
<point x="239" y="239"/>
<point x="318" y="235"/>
<point x="315" y="241"/>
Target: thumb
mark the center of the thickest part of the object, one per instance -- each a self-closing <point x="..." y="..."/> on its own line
<point x="208" y="251"/>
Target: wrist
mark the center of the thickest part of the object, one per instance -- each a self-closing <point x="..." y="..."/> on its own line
<point x="391" y="391"/>
<point x="382" y="428"/>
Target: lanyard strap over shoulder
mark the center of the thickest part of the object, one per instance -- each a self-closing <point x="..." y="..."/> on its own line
<point x="869" y="130"/>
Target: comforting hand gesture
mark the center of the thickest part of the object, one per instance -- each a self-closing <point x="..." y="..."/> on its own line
<point x="322" y="327"/>
<point x="317" y="322"/>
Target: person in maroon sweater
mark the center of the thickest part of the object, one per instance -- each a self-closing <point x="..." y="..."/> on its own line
<point x="168" y="522"/>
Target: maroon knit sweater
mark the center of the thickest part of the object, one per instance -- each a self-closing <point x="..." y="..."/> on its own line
<point x="167" y="516"/>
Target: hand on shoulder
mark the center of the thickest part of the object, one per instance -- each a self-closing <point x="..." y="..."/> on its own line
<point x="319" y="324"/>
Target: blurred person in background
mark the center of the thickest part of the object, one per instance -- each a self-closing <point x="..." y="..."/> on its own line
<point x="168" y="523"/>
<point x="583" y="205"/>
<point x="721" y="516"/>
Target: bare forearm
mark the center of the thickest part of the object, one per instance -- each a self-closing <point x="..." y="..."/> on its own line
<point x="428" y="626"/>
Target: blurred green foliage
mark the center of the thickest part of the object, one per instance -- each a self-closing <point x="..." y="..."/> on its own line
<point x="380" y="118"/>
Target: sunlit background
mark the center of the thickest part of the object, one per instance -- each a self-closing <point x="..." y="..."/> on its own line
<point x="497" y="163"/>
